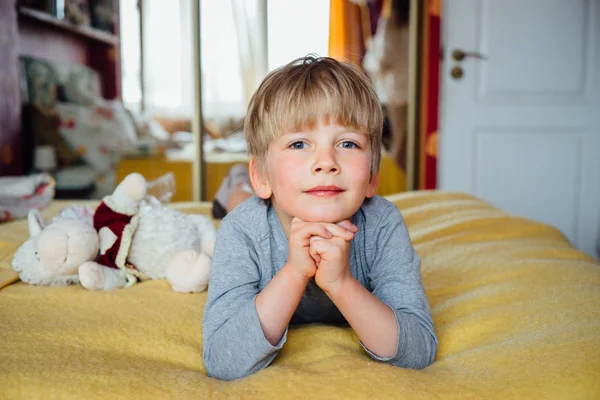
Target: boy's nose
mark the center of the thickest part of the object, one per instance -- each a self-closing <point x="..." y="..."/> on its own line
<point x="325" y="162"/>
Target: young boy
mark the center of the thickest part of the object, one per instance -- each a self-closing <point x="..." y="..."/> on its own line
<point x="314" y="244"/>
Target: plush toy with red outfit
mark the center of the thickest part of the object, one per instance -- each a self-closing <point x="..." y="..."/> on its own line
<point x="131" y="239"/>
<point x="140" y="240"/>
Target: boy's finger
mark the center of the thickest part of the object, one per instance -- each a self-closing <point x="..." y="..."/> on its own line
<point x="310" y="230"/>
<point x="321" y="247"/>
<point x="314" y="254"/>
<point x="340" y="232"/>
<point x="349" y="226"/>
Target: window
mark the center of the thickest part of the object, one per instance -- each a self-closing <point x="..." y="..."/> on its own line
<point x="294" y="29"/>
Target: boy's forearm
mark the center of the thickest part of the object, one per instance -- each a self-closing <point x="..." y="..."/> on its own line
<point x="372" y="320"/>
<point x="276" y="303"/>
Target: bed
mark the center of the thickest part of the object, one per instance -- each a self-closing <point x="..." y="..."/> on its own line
<point x="516" y="309"/>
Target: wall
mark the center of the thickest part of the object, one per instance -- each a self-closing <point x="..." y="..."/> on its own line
<point x="10" y="103"/>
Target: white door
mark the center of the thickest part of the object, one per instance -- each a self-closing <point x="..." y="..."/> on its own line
<point x="521" y="127"/>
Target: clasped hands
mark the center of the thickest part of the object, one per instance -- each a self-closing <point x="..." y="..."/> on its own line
<point x="321" y="250"/>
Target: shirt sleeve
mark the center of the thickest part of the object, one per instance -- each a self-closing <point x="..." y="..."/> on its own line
<point x="234" y="344"/>
<point x="395" y="279"/>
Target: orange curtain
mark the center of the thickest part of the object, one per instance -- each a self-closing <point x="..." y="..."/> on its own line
<point x="347" y="31"/>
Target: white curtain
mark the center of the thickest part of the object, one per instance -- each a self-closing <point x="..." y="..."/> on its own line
<point x="250" y="17"/>
<point x="167" y="47"/>
<point x="130" y="54"/>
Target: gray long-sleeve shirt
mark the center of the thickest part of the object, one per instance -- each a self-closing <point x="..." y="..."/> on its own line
<point x="251" y="248"/>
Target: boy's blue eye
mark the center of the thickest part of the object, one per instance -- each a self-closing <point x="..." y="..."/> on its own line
<point x="297" y="145"/>
<point x="348" y="145"/>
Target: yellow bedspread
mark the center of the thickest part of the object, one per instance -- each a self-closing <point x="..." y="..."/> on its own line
<point x="516" y="309"/>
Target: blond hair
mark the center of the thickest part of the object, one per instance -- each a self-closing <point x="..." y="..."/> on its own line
<point x="307" y="91"/>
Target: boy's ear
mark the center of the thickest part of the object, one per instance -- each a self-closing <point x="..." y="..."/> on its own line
<point x="372" y="188"/>
<point x="259" y="181"/>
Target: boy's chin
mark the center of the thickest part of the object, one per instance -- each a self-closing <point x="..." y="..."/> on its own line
<point x="325" y="214"/>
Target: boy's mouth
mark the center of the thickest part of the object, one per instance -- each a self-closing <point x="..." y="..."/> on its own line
<point x="324" y="191"/>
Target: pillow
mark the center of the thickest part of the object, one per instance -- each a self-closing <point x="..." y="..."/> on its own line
<point x="98" y="133"/>
<point x="45" y="83"/>
<point x="39" y="84"/>
<point x="43" y="129"/>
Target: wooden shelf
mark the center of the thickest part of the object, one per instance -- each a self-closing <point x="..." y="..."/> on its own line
<point x="84" y="32"/>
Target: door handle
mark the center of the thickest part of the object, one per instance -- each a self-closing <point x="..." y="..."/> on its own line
<point x="459" y="55"/>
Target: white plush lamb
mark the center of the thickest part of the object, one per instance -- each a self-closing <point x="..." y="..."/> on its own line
<point x="53" y="253"/>
<point x="130" y="240"/>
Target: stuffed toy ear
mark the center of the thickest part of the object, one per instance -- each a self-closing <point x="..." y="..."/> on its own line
<point x="36" y="222"/>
